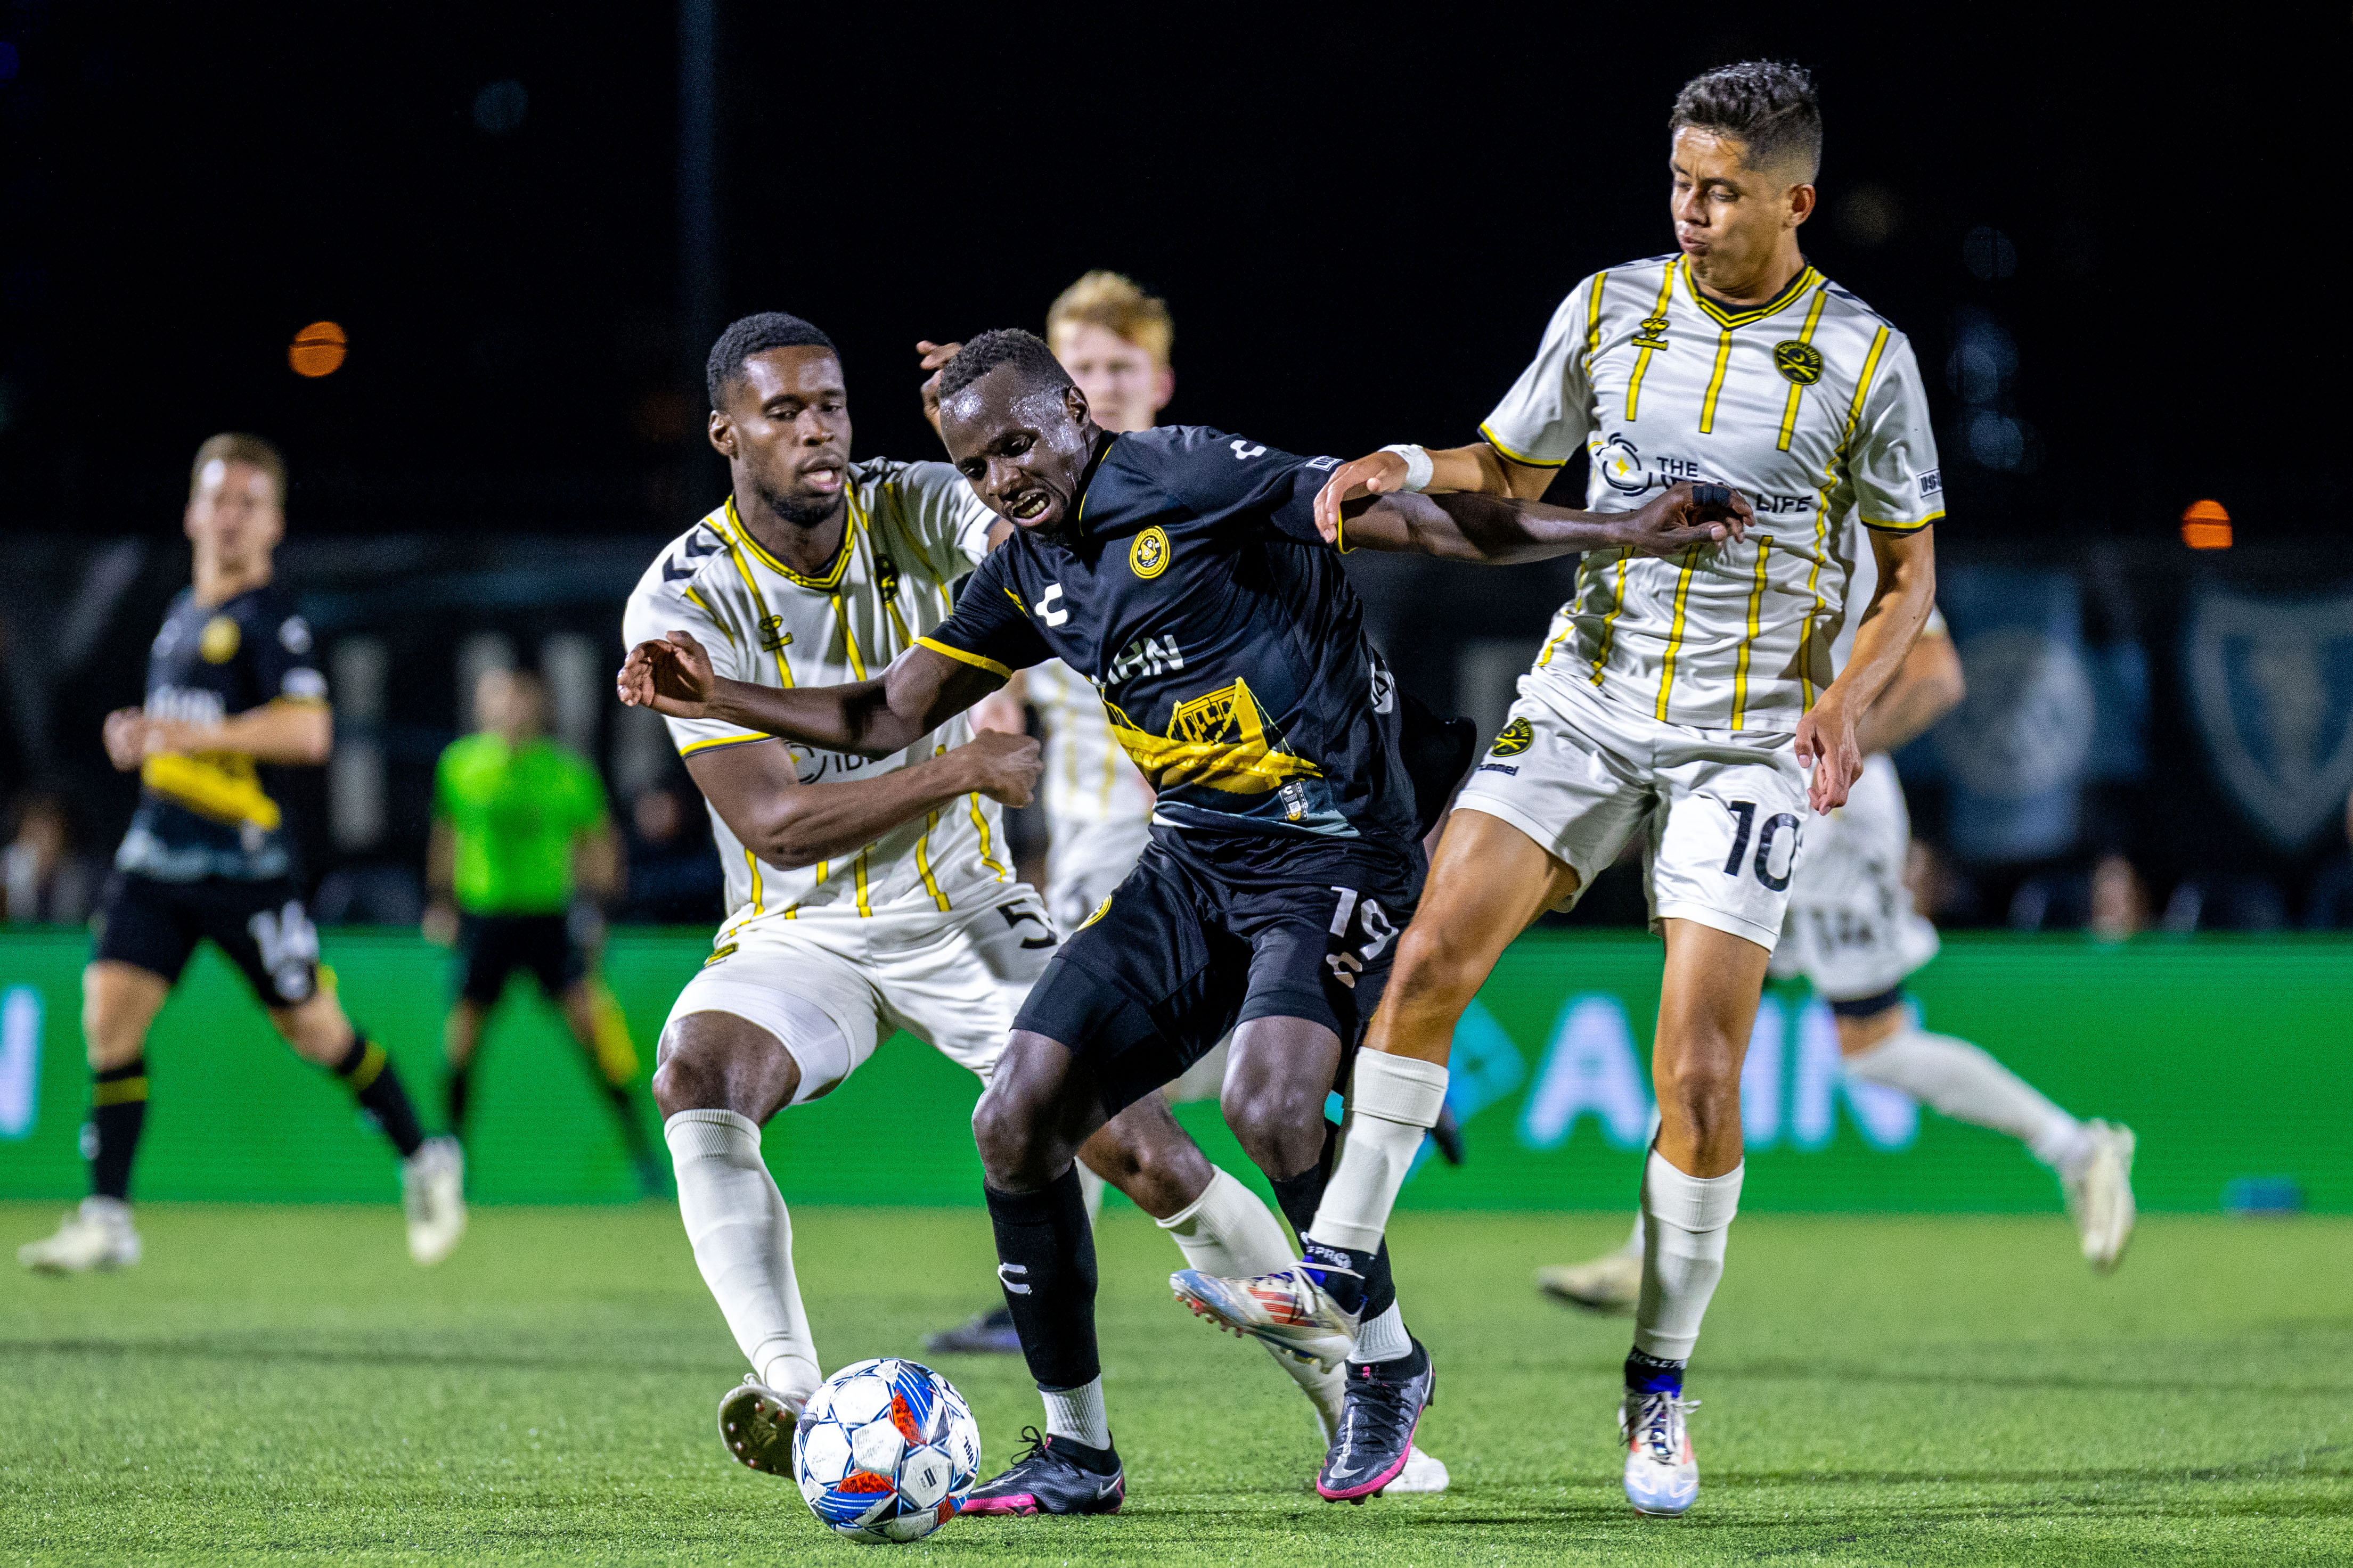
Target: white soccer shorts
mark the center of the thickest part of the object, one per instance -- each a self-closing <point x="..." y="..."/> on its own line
<point x="1723" y="810"/>
<point x="1086" y="860"/>
<point x="1851" y="928"/>
<point x="833" y="988"/>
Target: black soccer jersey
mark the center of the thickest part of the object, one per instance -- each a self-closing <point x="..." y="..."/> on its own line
<point x="208" y="814"/>
<point x="1229" y="649"/>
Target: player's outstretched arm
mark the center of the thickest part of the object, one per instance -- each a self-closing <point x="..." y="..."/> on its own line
<point x="284" y="733"/>
<point x="920" y="692"/>
<point x="789" y="823"/>
<point x="1498" y="532"/>
<point x="1883" y="639"/>
<point x="1476" y="470"/>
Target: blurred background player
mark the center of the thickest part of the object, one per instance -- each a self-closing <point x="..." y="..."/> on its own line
<point x="1851" y="930"/>
<point x="865" y="895"/>
<point x="519" y="829"/>
<point x="231" y="689"/>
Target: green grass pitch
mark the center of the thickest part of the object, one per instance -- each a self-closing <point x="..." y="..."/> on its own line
<point x="279" y="1383"/>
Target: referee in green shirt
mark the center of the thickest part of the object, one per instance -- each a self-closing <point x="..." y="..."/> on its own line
<point x="518" y="823"/>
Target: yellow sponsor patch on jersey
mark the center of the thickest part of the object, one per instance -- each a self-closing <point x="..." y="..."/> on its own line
<point x="727" y="952"/>
<point x="219" y="640"/>
<point x="1800" y="362"/>
<point x="1101" y="910"/>
<point x="1517" y="737"/>
<point x="1148" y="556"/>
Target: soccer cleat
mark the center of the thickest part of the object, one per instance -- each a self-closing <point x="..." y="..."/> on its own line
<point x="97" y="1235"/>
<point x="1609" y="1283"/>
<point x="433" y="1192"/>
<point x="756" y="1423"/>
<point x="1376" y="1442"/>
<point x="1662" y="1476"/>
<point x="987" y="1334"/>
<point x="1285" y="1309"/>
<point x="2100" y="1194"/>
<point x="1053" y="1475"/>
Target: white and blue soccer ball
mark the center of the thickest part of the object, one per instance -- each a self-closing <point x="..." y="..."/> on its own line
<point x="887" y="1450"/>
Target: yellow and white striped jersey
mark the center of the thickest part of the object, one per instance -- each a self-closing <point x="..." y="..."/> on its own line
<point x="1811" y="404"/>
<point x="913" y="528"/>
<point x="1088" y="777"/>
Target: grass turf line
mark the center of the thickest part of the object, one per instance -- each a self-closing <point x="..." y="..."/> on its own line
<point x="278" y="1384"/>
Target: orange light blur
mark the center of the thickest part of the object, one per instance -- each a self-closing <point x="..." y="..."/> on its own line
<point x="2206" y="526"/>
<point x="318" y="350"/>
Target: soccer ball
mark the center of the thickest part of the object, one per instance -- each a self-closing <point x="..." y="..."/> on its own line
<point x="887" y="1450"/>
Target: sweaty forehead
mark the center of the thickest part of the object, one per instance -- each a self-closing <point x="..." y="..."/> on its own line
<point x="222" y="477"/>
<point x="798" y="372"/>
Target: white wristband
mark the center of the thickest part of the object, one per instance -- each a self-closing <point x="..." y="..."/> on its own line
<point x="1419" y="469"/>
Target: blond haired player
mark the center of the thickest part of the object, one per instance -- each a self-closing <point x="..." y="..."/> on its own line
<point x="865" y="895"/>
<point x="232" y="686"/>
<point x="1677" y="698"/>
<point x="1853" y="933"/>
<point x="1114" y="339"/>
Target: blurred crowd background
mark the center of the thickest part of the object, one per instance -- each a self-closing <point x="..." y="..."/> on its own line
<point x="469" y="288"/>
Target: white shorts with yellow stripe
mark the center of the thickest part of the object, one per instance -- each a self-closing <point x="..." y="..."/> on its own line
<point x="1722" y="811"/>
<point x="831" y="987"/>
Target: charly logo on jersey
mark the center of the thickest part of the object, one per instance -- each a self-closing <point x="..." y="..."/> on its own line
<point x="2271" y="685"/>
<point x="773" y="638"/>
<point x="1799" y="363"/>
<point x="1148" y="556"/>
<point x="1516" y="737"/>
<point x="218" y="643"/>
<point x="886" y="577"/>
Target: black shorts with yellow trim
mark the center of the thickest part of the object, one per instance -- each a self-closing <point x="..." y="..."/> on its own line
<point x="261" y="926"/>
<point x="1209" y="931"/>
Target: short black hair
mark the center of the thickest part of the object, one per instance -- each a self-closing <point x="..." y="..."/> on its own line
<point x="1768" y="106"/>
<point x="1025" y="352"/>
<point x="752" y="335"/>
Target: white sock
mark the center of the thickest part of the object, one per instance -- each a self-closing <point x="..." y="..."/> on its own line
<point x="1383" y="1337"/>
<point x="742" y="1242"/>
<point x="1686" y="1219"/>
<point x="1090" y="1187"/>
<point x="1955" y="1079"/>
<point x="1393" y="1101"/>
<point x="1634" y="1247"/>
<point x="1078" y="1414"/>
<point x="1228" y="1233"/>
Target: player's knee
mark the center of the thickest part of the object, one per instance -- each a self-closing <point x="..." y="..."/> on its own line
<point x="1004" y="1132"/>
<point x="1279" y="1125"/>
<point x="317" y="1030"/>
<point x="1436" y="966"/>
<point x="1701" y="1086"/>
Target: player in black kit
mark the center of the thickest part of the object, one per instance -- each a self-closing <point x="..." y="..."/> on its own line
<point x="1181" y="570"/>
<point x="230" y="687"/>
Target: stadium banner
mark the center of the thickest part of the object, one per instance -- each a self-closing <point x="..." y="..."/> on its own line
<point x="2226" y="1056"/>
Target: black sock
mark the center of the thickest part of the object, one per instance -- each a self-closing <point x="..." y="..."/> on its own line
<point x="1046" y="1261"/>
<point x="1654" y="1375"/>
<point x="366" y="1069"/>
<point x="460" y="1084"/>
<point x="118" y="1110"/>
<point x="1368" y="1288"/>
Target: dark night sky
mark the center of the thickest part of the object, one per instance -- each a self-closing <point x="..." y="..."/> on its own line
<point x="1361" y="224"/>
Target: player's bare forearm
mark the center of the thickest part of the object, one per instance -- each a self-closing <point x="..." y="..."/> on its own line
<point x="440" y="858"/>
<point x="597" y="865"/>
<point x="1927" y="687"/>
<point x="856" y="717"/>
<point x="1475" y="470"/>
<point x="791" y="825"/>
<point x="1827" y="735"/>
<point x="1504" y="530"/>
<point x="286" y="734"/>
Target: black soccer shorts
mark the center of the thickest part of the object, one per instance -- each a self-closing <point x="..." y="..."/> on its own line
<point x="1208" y="932"/>
<point x="261" y="925"/>
<point x="492" y="947"/>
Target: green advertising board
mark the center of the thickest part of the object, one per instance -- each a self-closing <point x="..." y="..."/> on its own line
<point x="2231" y="1058"/>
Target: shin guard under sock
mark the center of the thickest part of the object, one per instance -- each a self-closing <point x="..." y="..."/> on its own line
<point x="1046" y="1261"/>
<point x="367" y="1071"/>
<point x="118" y="1111"/>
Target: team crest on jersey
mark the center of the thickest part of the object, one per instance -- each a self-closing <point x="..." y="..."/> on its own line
<point x="219" y="642"/>
<point x="1148" y="556"/>
<point x="773" y="638"/>
<point x="886" y="577"/>
<point x="1799" y="363"/>
<point x="1653" y="333"/>
<point x="1517" y="737"/>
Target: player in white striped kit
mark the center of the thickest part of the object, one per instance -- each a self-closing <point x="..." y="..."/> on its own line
<point x="864" y="895"/>
<point x="1676" y="699"/>
<point x="1853" y="933"/>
